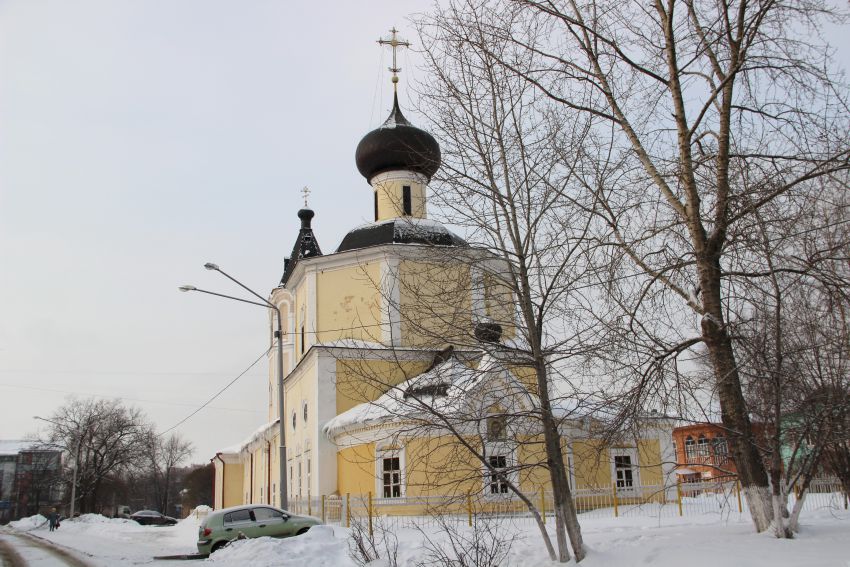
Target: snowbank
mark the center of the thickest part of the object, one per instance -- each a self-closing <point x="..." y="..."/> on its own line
<point x="319" y="547"/>
<point x="101" y="519"/>
<point x="29" y="523"/>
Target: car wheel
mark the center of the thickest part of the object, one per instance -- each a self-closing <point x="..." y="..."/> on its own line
<point x="302" y="531"/>
<point x="218" y="546"/>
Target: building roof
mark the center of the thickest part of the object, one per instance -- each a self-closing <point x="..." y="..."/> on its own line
<point x="305" y="246"/>
<point x="15" y="446"/>
<point x="401" y="230"/>
<point x="397" y="145"/>
<point x="449" y="388"/>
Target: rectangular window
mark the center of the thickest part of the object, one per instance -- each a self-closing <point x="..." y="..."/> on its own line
<point x="376" y="205"/>
<point x="302" y="338"/>
<point x="299" y="480"/>
<point x="624" y="473"/>
<point x="309" y="474"/>
<point x="391" y="471"/>
<point x="238" y="516"/>
<point x="498" y="464"/>
<point x="405" y="198"/>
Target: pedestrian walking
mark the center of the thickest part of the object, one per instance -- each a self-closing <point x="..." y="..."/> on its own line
<point x="53" y="519"/>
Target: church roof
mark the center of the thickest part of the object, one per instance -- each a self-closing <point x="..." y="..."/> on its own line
<point x="401" y="230"/>
<point x="306" y="245"/>
<point x="397" y="145"/>
<point x="449" y="388"/>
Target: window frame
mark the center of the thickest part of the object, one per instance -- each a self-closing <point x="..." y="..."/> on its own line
<point x="497" y="449"/>
<point x="390" y="452"/>
<point x="632" y="453"/>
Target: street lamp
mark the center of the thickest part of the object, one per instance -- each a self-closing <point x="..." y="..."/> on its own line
<point x="76" y="463"/>
<point x="284" y="501"/>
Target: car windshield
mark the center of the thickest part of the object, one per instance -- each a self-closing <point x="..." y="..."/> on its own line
<point x="147" y="513"/>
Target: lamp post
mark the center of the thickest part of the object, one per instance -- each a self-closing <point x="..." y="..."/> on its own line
<point x="76" y="464"/>
<point x="284" y="501"/>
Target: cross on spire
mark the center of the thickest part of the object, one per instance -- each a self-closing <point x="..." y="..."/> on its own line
<point x="394" y="42"/>
<point x="306" y="193"/>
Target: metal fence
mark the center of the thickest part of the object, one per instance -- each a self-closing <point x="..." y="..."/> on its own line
<point x="723" y="498"/>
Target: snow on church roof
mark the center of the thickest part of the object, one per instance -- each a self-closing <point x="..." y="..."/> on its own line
<point x="445" y="389"/>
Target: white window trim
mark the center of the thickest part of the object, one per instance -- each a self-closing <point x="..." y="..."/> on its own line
<point x="497" y="449"/>
<point x="380" y="455"/>
<point x="633" y="453"/>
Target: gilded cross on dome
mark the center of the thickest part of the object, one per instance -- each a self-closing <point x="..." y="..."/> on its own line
<point x="394" y="42"/>
<point x="306" y="193"/>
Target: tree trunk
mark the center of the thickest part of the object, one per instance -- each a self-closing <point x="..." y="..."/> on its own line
<point x="733" y="407"/>
<point x="565" y="515"/>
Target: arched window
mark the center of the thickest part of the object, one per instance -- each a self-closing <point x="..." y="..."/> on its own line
<point x="721" y="450"/>
<point x="690" y="449"/>
<point x="702" y="447"/>
<point x="305" y="412"/>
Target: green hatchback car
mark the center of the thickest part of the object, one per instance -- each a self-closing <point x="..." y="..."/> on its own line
<point x="223" y="526"/>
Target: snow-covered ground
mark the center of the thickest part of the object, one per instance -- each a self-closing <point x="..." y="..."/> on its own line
<point x="824" y="540"/>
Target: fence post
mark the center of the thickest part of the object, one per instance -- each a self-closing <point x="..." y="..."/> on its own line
<point x="543" y="504"/>
<point x="347" y="509"/>
<point x="370" y="513"/>
<point x="614" y="493"/>
<point x="679" y="495"/>
<point x="738" y="491"/>
<point x="469" y="509"/>
<point x="323" y="509"/>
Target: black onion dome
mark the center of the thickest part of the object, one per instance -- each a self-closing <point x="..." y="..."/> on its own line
<point x="397" y="145"/>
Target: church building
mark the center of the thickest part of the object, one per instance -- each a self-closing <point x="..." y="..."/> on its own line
<point x="396" y="363"/>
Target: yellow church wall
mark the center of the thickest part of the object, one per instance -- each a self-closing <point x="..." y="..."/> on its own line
<point x="302" y="316"/>
<point x="363" y="380"/>
<point x="499" y="304"/>
<point x="591" y="464"/>
<point x="390" y="203"/>
<point x="356" y="469"/>
<point x="300" y="388"/>
<point x="435" y="300"/>
<point x="649" y="462"/>
<point x="348" y="301"/>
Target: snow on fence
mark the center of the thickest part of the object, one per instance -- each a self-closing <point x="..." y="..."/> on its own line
<point x="719" y="497"/>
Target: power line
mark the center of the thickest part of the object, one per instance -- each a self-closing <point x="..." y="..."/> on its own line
<point x="217" y="394"/>
<point x="123" y="398"/>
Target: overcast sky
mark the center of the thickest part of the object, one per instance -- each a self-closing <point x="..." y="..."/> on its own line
<point x="140" y="139"/>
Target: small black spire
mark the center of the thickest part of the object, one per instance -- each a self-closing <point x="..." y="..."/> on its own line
<point x="306" y="245"/>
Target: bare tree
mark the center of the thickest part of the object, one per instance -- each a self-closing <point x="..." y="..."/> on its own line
<point x="712" y="111"/>
<point x="104" y="439"/>
<point x="163" y="455"/>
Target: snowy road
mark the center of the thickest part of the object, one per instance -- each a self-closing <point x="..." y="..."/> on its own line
<point x="17" y="550"/>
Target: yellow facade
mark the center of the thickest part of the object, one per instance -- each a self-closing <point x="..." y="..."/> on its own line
<point x="348" y="303"/>
<point x="361" y="380"/>
<point x="389" y="193"/>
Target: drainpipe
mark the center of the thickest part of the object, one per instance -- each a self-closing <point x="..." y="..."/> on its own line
<point x="251" y="484"/>
<point x="268" y="472"/>
<point x="223" y="484"/>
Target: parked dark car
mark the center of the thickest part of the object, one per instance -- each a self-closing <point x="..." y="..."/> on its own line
<point x="152" y="518"/>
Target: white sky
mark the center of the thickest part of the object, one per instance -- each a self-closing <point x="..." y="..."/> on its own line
<point x="140" y="139"/>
